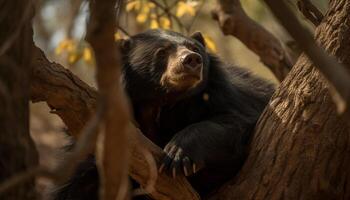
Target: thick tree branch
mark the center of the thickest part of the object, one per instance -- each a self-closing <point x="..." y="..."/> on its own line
<point x="75" y="102"/>
<point x="234" y="21"/>
<point x="112" y="152"/>
<point x="67" y="96"/>
<point x="335" y="73"/>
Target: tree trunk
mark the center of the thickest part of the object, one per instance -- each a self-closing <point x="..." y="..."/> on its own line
<point x="17" y="150"/>
<point x="301" y="148"/>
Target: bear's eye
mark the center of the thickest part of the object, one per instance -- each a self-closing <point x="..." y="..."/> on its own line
<point x="194" y="48"/>
<point x="160" y="52"/>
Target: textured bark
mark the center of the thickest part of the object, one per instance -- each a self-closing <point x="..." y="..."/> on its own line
<point x="301" y="148"/>
<point x="310" y="12"/>
<point x="74" y="101"/>
<point x="67" y="96"/>
<point x="334" y="72"/>
<point x="234" y="21"/>
<point x="17" y="150"/>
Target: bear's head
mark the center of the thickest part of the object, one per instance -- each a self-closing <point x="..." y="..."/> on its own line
<point x="159" y="63"/>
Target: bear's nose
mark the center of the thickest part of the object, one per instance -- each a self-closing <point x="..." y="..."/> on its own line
<point x="192" y="61"/>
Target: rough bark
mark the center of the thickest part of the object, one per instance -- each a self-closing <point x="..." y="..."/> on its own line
<point x="310" y="12"/>
<point x="334" y="72"/>
<point x="301" y="148"/>
<point x="74" y="101"/>
<point x="66" y="95"/>
<point x="17" y="150"/>
<point x="234" y="21"/>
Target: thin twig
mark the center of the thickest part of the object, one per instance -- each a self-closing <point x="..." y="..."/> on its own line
<point x="334" y="72"/>
<point x="124" y="31"/>
<point x="189" y="27"/>
<point x="165" y="10"/>
<point x="165" y="2"/>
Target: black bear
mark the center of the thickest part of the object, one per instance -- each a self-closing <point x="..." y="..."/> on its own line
<point x="198" y="109"/>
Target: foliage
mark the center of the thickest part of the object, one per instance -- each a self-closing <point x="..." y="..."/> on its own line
<point x="152" y="14"/>
<point x="75" y="50"/>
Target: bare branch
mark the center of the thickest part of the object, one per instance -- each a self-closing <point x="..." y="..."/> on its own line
<point x="112" y="146"/>
<point x="334" y="72"/>
<point x="310" y="11"/>
<point x="234" y="21"/>
<point x="48" y="78"/>
<point x="124" y="31"/>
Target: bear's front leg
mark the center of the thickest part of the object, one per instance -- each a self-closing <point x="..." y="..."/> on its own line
<point x="205" y="144"/>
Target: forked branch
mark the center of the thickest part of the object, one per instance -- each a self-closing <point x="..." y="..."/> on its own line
<point x="234" y="21"/>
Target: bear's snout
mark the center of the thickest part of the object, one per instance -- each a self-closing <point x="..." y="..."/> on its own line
<point x="192" y="61"/>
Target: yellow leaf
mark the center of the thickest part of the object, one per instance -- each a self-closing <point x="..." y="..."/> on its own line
<point x="145" y="9"/>
<point x="71" y="46"/>
<point x="153" y="16"/>
<point x="165" y="22"/>
<point x="87" y="55"/>
<point x="134" y="5"/>
<point x="141" y="18"/>
<point x="185" y="8"/>
<point x="154" y="24"/>
<point x="151" y="5"/>
<point x="59" y="50"/>
<point x="209" y="42"/>
<point x="65" y="45"/>
<point x="73" y="58"/>
<point x="117" y="36"/>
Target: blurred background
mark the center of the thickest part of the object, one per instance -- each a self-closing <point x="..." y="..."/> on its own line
<point x="59" y="30"/>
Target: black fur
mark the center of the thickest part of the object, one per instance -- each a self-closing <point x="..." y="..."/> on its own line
<point x="209" y="125"/>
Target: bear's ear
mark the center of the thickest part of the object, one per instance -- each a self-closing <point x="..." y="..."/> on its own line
<point x="199" y="37"/>
<point x="124" y="45"/>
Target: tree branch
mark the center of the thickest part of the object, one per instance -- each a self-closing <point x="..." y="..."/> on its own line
<point x="234" y="21"/>
<point x="75" y="102"/>
<point x="310" y="11"/>
<point x="112" y="151"/>
<point x="334" y="72"/>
